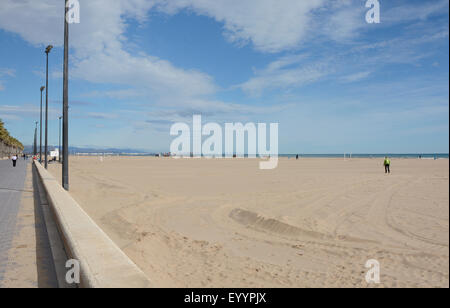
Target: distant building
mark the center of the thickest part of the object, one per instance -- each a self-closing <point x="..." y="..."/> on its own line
<point x="54" y="154"/>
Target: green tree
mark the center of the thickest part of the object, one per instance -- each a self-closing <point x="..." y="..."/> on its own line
<point x="8" y="140"/>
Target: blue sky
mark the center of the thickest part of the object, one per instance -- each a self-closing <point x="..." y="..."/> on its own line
<point x="333" y="82"/>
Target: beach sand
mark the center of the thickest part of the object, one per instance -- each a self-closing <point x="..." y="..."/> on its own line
<point x="308" y="223"/>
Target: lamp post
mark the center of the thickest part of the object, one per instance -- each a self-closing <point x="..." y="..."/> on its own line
<point x="65" y="166"/>
<point x="40" y="127"/>
<point x="47" y="51"/>
<point x="59" y="140"/>
<point x="35" y="140"/>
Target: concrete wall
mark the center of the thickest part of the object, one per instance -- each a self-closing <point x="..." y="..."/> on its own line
<point x="6" y="151"/>
<point x="103" y="264"/>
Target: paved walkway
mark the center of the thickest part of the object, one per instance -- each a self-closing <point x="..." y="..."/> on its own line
<point x="12" y="182"/>
<point x="25" y="252"/>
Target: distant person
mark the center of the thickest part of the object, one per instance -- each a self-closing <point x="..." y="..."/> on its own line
<point x="296" y="157"/>
<point x="387" y="165"/>
<point x="14" y="160"/>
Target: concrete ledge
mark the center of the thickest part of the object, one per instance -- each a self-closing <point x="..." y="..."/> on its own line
<point x="103" y="264"/>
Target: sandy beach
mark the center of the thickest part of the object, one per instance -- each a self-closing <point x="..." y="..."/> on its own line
<point x="308" y="223"/>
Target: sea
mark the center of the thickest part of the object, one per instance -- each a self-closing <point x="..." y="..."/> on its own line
<point x="391" y="155"/>
<point x="425" y="156"/>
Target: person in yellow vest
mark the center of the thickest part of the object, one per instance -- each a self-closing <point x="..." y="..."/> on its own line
<point x="387" y="165"/>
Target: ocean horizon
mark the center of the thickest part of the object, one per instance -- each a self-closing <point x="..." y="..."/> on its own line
<point x="342" y="155"/>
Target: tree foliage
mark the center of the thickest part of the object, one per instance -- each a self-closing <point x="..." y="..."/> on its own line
<point x="7" y="139"/>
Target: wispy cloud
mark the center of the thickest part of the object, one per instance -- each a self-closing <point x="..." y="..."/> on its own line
<point x="271" y="26"/>
<point x="101" y="115"/>
<point x="26" y="110"/>
<point x="6" y="72"/>
<point x="73" y="103"/>
<point x="355" y="77"/>
<point x="291" y="50"/>
<point x="346" y="65"/>
<point x="99" y="46"/>
<point x="422" y="11"/>
<point x="117" y="94"/>
<point x="285" y="73"/>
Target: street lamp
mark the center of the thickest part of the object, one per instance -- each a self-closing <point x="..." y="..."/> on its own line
<point x="40" y="127"/>
<point x="35" y="140"/>
<point x="59" y="140"/>
<point x="47" y="51"/>
<point x="65" y="166"/>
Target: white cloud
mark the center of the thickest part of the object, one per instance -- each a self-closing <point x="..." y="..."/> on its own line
<point x="101" y="51"/>
<point x="345" y="64"/>
<point x="345" y="22"/>
<point x="99" y="45"/>
<point x="157" y="76"/>
<point x="284" y="73"/>
<point x="6" y="72"/>
<point x="271" y="26"/>
<point x="355" y="77"/>
<point x="101" y="115"/>
<point x="26" y="110"/>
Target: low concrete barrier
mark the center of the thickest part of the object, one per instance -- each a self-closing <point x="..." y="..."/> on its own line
<point x="102" y="263"/>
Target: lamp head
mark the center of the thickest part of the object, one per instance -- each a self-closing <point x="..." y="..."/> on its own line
<point x="42" y="88"/>
<point x="48" y="49"/>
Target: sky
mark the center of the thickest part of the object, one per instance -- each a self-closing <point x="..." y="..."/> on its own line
<point x="333" y="82"/>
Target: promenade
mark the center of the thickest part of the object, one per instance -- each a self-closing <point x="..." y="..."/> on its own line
<point x="25" y="255"/>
